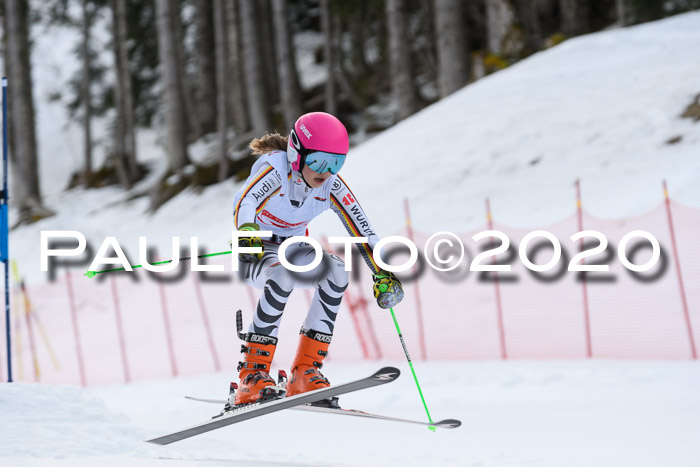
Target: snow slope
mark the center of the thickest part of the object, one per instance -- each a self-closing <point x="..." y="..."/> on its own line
<point x="587" y="413"/>
<point x="599" y="107"/>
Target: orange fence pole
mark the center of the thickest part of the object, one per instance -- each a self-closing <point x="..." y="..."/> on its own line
<point x="76" y="330"/>
<point x="497" y="288"/>
<point x="168" y="329"/>
<point x="205" y="320"/>
<point x="352" y="306"/>
<point x="684" y="301"/>
<point x="416" y="288"/>
<point x="586" y="315"/>
<point x="120" y="331"/>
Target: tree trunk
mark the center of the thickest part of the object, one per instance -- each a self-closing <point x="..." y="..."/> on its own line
<point x="401" y="69"/>
<point x="125" y="144"/>
<point x="357" y="39"/>
<point x="175" y="125"/>
<point x="86" y="97"/>
<point x="222" y="73"/>
<point x="185" y="90"/>
<point x="452" y="48"/>
<point x="530" y="21"/>
<point x="330" y="57"/>
<point x="290" y="91"/>
<point x="344" y="87"/>
<point x="574" y="17"/>
<point x="119" y="150"/>
<point x="265" y="35"/>
<point x="236" y="97"/>
<point x="500" y="20"/>
<point x="205" y="82"/>
<point x="25" y="164"/>
<point x="631" y="12"/>
<point x="255" y="83"/>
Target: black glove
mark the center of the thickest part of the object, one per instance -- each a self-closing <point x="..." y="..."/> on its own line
<point x="250" y="241"/>
<point x="387" y="289"/>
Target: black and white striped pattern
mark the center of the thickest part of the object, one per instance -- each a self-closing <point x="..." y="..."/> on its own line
<point x="270" y="308"/>
<point x="329" y="280"/>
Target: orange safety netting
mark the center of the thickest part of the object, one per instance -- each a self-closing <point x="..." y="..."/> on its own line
<point x="465" y="315"/>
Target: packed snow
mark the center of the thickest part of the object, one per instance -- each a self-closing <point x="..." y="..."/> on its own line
<point x="592" y="413"/>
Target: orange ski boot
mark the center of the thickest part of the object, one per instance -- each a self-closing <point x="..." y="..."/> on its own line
<point x="254" y="371"/>
<point x="313" y="348"/>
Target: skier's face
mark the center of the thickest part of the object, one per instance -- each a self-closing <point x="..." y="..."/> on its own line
<point x="314" y="179"/>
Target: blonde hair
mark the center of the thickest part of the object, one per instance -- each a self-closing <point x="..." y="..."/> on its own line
<point x="268" y="143"/>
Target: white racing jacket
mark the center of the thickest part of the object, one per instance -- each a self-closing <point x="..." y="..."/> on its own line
<point x="277" y="199"/>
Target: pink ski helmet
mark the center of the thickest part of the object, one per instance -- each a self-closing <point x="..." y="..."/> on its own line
<point x="318" y="140"/>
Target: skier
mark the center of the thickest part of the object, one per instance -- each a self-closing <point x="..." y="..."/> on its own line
<point x="295" y="180"/>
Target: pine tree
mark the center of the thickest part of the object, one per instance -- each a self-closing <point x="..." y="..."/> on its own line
<point x="222" y="88"/>
<point x="574" y="17"/>
<point x="21" y="120"/>
<point x="452" y="48"/>
<point x="631" y="12"/>
<point x="86" y="94"/>
<point x="402" y="83"/>
<point x="204" y="66"/>
<point x="175" y="125"/>
<point x="330" y="57"/>
<point x="125" y="128"/>
<point x="258" y="106"/>
<point x="237" y="101"/>
<point x="290" y="90"/>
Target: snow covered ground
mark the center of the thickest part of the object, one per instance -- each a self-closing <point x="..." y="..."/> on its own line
<point x="574" y="413"/>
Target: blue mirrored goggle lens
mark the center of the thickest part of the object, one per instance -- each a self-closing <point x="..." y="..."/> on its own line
<point x="321" y="162"/>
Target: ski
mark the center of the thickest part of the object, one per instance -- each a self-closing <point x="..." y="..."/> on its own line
<point x="208" y="401"/>
<point x="236" y="415"/>
<point x="448" y="423"/>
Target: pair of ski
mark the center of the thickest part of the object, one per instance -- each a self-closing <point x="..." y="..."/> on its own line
<point x="299" y="401"/>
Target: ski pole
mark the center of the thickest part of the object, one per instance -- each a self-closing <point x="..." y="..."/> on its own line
<point x="45" y="338"/>
<point x="33" y="313"/>
<point x="18" y="342"/>
<point x="28" y="319"/>
<point x="187" y="258"/>
<point x="410" y="364"/>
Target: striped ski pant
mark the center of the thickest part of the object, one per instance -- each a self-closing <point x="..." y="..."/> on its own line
<point x="329" y="279"/>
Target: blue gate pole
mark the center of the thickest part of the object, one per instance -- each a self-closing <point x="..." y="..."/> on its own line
<point x="5" y="253"/>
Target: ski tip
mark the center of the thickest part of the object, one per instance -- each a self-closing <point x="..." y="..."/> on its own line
<point x="388" y="373"/>
<point x="448" y="423"/>
<point x="91" y="274"/>
<point x="158" y="441"/>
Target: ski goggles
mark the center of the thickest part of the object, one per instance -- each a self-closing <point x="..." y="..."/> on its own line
<point x="321" y="162"/>
<point x="318" y="161"/>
